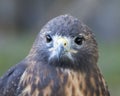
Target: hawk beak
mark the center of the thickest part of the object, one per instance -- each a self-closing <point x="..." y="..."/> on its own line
<point x="62" y="46"/>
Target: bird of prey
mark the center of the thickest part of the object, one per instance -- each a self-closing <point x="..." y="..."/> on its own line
<point x="61" y="62"/>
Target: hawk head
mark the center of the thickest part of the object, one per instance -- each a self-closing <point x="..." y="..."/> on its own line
<point x="67" y="43"/>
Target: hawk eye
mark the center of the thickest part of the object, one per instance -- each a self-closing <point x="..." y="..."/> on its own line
<point x="79" y="40"/>
<point x="48" y="38"/>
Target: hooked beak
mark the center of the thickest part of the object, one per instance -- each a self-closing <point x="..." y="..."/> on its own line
<point x="61" y="47"/>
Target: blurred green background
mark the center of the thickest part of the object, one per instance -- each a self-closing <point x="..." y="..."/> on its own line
<point x="21" y="20"/>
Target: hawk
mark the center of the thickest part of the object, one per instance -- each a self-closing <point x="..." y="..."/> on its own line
<point x="61" y="62"/>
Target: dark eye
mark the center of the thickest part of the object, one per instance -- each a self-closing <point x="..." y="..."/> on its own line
<point x="48" y="38"/>
<point x="79" y="40"/>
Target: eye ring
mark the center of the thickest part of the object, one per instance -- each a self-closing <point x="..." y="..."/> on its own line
<point x="79" y="39"/>
<point x="48" y="38"/>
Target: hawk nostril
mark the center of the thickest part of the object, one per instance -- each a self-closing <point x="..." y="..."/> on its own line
<point x="65" y="44"/>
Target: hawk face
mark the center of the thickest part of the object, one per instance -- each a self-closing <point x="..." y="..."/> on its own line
<point x="66" y="42"/>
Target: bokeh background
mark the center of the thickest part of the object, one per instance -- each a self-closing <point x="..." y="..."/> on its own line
<point x="21" y="20"/>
